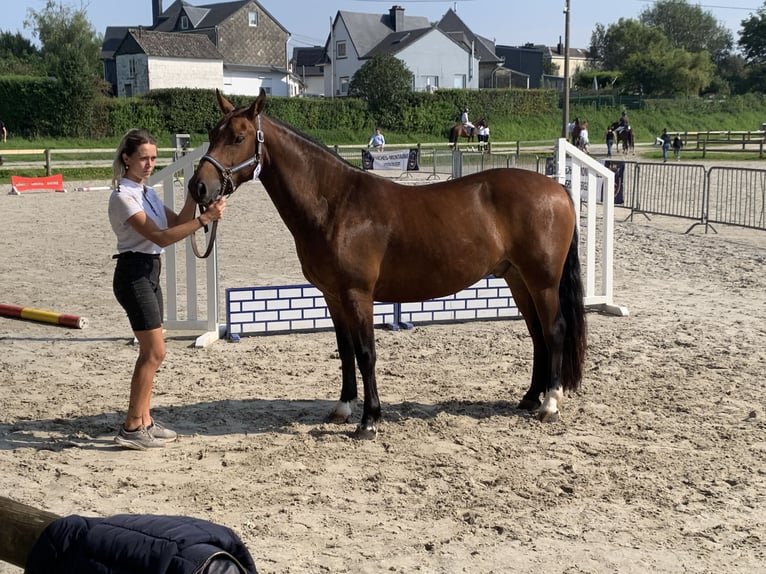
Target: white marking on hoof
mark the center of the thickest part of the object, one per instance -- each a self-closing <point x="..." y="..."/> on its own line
<point x="549" y="411"/>
<point x="342" y="412"/>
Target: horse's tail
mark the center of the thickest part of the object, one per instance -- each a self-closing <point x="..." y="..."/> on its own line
<point x="452" y="135"/>
<point x="573" y="310"/>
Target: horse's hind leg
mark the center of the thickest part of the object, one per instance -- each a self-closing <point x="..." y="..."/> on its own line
<point x="540" y="364"/>
<point x="547" y="328"/>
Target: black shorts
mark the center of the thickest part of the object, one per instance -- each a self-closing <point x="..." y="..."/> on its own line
<point x="136" y="286"/>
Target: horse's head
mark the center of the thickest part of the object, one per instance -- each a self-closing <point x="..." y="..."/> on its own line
<point x="234" y="153"/>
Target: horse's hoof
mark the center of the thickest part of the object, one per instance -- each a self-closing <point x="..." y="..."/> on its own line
<point x="548" y="417"/>
<point x="366" y="433"/>
<point x="341" y="413"/>
<point x="549" y="410"/>
<point x="529" y="404"/>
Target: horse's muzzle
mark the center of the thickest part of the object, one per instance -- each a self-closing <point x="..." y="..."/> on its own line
<point x="203" y="193"/>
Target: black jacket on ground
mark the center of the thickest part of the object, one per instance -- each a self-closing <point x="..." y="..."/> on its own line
<point x="136" y="543"/>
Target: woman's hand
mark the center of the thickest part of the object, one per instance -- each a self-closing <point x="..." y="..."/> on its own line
<point x="215" y="210"/>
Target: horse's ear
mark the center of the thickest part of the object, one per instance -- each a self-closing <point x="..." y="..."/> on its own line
<point x="257" y="106"/>
<point x="225" y="105"/>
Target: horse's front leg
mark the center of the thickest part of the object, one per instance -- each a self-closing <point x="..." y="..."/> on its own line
<point x="348" y="393"/>
<point x="356" y="339"/>
<point x="364" y="346"/>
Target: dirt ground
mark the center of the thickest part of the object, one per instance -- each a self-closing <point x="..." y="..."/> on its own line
<point x="657" y="465"/>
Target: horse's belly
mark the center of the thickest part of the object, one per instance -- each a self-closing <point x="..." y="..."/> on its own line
<point x="408" y="284"/>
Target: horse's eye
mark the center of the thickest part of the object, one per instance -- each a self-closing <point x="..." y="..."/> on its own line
<point x="239" y="139"/>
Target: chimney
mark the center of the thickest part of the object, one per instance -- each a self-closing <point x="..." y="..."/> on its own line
<point x="560" y="47"/>
<point x="156" y="12"/>
<point x="396" y="15"/>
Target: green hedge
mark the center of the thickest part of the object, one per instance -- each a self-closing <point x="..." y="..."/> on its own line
<point x="30" y="107"/>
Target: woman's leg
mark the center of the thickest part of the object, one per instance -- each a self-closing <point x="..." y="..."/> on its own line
<point x="150" y="356"/>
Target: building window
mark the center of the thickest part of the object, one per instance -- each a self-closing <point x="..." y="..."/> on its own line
<point x="252" y="19"/>
<point x="431" y="82"/>
<point x="184" y="23"/>
<point x="343" y="85"/>
<point x="459" y="81"/>
<point x="340" y="49"/>
<point x="128" y="90"/>
<point x="132" y="68"/>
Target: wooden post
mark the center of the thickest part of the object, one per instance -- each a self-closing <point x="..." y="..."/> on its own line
<point x="20" y="527"/>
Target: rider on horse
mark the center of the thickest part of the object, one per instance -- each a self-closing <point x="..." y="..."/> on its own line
<point x="623" y="122"/>
<point x="469" y="127"/>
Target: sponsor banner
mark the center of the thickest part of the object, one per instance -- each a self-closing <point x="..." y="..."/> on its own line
<point x="618" y="167"/>
<point x="401" y="160"/>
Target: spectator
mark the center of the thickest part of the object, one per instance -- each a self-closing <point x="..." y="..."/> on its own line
<point x="377" y="141"/>
<point x="665" y="137"/>
<point x="677" y="145"/>
<point x="609" y="141"/>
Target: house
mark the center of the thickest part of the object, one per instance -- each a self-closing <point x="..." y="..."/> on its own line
<point x="148" y="60"/>
<point x="307" y="64"/>
<point x="252" y="45"/>
<point x="522" y="66"/>
<point x="482" y="48"/>
<point x="578" y="58"/>
<point x="452" y="57"/>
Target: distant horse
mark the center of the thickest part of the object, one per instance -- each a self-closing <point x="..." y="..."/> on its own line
<point x="626" y="137"/>
<point x="362" y="238"/>
<point x="460" y="131"/>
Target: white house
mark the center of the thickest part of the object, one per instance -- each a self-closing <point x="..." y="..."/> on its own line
<point x="436" y="58"/>
<point x="146" y="60"/>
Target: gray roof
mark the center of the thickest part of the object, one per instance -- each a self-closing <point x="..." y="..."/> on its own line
<point x="368" y="30"/>
<point x="453" y="26"/>
<point x="397" y="41"/>
<point x="168" y="45"/>
<point x="205" y="15"/>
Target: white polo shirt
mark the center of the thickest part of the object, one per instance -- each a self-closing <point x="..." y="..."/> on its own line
<point x="128" y="199"/>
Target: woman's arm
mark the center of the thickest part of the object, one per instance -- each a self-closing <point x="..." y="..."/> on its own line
<point x="181" y="228"/>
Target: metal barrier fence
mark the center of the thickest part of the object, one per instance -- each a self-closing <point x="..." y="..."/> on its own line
<point x="723" y="195"/>
<point x="736" y="197"/>
<point x="668" y="189"/>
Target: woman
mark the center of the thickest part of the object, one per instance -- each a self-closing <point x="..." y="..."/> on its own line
<point x="583" y="142"/>
<point x="144" y="226"/>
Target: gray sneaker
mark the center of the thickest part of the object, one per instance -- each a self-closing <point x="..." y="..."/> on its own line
<point x="139" y="439"/>
<point x="161" y="432"/>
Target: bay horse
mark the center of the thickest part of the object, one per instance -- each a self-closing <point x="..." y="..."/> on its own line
<point x="626" y="137"/>
<point x="362" y="238"/>
<point x="460" y="131"/>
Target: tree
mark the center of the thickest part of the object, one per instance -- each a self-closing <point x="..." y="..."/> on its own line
<point x="70" y="50"/>
<point x="628" y="37"/>
<point x="18" y="56"/>
<point x="689" y="28"/>
<point x="385" y="83"/>
<point x="752" y="38"/>
<point x="674" y="72"/>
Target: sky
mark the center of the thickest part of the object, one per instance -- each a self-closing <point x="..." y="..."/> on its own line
<point x="508" y="22"/>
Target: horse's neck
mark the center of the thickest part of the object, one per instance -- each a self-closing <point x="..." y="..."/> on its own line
<point x="300" y="178"/>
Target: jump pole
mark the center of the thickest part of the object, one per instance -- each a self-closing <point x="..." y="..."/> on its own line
<point x="30" y="314"/>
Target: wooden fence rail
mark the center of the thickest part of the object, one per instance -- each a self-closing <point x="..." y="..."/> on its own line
<point x="20" y="527"/>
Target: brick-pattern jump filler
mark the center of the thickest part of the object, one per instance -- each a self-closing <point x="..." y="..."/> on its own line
<point x="294" y="308"/>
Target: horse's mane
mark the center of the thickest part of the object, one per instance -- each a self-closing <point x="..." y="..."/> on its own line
<point x="301" y="135"/>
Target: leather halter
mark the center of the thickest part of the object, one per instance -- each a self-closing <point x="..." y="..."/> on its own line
<point x="227" y="181"/>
